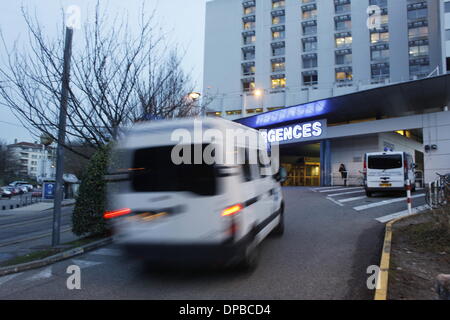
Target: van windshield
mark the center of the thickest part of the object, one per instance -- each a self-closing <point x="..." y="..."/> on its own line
<point x="384" y="162"/>
<point x="156" y="172"/>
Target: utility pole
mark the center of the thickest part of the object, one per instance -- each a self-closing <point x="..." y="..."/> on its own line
<point x="61" y="139"/>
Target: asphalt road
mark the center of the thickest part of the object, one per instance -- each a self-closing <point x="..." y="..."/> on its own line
<point x="23" y="232"/>
<point x="324" y="254"/>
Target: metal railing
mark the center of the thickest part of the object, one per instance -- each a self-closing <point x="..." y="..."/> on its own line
<point x="438" y="192"/>
<point x="19" y="201"/>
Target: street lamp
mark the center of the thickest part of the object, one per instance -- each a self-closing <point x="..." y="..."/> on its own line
<point x="194" y="96"/>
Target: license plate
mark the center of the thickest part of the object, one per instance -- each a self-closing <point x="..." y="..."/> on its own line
<point x="385" y="185"/>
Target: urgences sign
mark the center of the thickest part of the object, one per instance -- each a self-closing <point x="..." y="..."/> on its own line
<point x="297" y="132"/>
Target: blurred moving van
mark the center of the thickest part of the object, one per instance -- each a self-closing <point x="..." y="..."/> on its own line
<point x="388" y="171"/>
<point x="196" y="211"/>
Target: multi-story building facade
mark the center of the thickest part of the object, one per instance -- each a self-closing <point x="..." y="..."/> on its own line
<point x="262" y="55"/>
<point x="35" y="160"/>
<point x="445" y="26"/>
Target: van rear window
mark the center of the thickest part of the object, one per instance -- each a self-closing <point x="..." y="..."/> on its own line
<point x="384" y="162"/>
<point x="157" y="173"/>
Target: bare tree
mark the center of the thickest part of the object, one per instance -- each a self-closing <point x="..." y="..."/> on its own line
<point x="10" y="167"/>
<point x="118" y="78"/>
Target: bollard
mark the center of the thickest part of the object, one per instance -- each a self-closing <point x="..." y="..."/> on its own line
<point x="408" y="196"/>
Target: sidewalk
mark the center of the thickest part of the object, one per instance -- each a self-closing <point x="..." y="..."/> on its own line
<point x="33" y="208"/>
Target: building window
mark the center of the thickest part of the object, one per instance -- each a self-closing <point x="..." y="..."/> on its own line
<point x="249" y="25"/>
<point x="278" y="66"/>
<point x="248" y="86"/>
<point x="418" y="50"/>
<point x="278" y="4"/>
<point x="377" y="37"/>
<point x="249" y="39"/>
<point x="278" y="35"/>
<point x="309" y="44"/>
<point x="279" y="83"/>
<point x="309" y="29"/>
<point x="248" y="55"/>
<point x="343" y="41"/>
<point x="379" y="54"/>
<point x="278" y="51"/>
<point x="278" y="19"/>
<point x="249" y="10"/>
<point x="234" y="112"/>
<point x="344" y="58"/>
<point x="342" y="75"/>
<point x="418" y="32"/>
<point x="340" y="7"/>
<point x="248" y="70"/>
<point x="343" y="24"/>
<point x="309" y="14"/>
<point x="380" y="71"/>
<point x="416" y="14"/>
<point x="309" y="61"/>
<point x="310" y="79"/>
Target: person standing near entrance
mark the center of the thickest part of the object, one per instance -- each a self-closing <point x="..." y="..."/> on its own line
<point x="343" y="171"/>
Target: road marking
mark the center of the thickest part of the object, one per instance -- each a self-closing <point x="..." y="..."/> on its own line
<point x="323" y="188"/>
<point x="345" y="193"/>
<point x="335" y="202"/>
<point x="402" y="214"/>
<point x="107" y="252"/>
<point x="343" y="189"/>
<point x="385" y="202"/>
<point x="5" y="279"/>
<point x="44" y="274"/>
<point x="86" y="264"/>
<point x="352" y="199"/>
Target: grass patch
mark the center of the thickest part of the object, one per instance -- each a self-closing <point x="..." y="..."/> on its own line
<point x="428" y="237"/>
<point x="45" y="253"/>
<point x="38" y="255"/>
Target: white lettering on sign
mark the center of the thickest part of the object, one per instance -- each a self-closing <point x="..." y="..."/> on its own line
<point x="295" y="132"/>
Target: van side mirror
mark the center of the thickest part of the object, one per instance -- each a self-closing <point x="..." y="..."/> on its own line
<point x="281" y="175"/>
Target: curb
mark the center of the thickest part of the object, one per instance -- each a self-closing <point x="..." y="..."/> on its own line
<point x="56" y="258"/>
<point x="381" y="292"/>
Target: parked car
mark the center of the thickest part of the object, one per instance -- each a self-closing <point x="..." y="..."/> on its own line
<point x="18" y="183"/>
<point x="5" y="193"/>
<point x="210" y="213"/>
<point x="23" y="188"/>
<point x="388" y="172"/>
<point x="36" y="193"/>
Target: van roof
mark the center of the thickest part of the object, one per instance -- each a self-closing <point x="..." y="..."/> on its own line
<point x="173" y="124"/>
<point x="384" y="153"/>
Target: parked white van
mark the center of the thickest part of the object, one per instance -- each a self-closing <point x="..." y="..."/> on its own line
<point x="216" y="213"/>
<point x="388" y="171"/>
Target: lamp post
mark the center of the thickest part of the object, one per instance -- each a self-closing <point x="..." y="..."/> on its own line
<point x="195" y="98"/>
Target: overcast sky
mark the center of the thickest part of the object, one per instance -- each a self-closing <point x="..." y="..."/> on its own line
<point x="182" y="19"/>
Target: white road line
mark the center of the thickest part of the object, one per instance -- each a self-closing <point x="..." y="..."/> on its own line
<point x="402" y="214"/>
<point x="9" y="277"/>
<point x="107" y="252"/>
<point x="345" y="193"/>
<point x="352" y="199"/>
<point x="385" y="202"/>
<point x="343" y="189"/>
<point x="335" y="202"/>
<point x="323" y="188"/>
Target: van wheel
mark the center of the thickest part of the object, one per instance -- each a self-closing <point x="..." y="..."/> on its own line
<point x="368" y="194"/>
<point x="251" y="257"/>
<point x="278" y="231"/>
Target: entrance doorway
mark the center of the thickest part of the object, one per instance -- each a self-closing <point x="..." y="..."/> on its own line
<point x="302" y="163"/>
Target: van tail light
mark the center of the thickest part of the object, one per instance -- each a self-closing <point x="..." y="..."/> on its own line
<point x="365" y="166"/>
<point x="116" y="213"/>
<point x="231" y="211"/>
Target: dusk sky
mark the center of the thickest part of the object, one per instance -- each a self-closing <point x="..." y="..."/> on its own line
<point x="182" y="19"/>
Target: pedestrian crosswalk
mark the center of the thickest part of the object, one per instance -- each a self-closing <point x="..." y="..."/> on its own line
<point x="383" y="207"/>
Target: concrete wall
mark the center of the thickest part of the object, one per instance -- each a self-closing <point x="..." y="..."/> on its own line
<point x="436" y="131"/>
<point x="399" y="143"/>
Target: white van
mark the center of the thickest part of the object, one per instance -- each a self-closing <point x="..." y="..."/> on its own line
<point x="165" y="212"/>
<point x="388" y="171"/>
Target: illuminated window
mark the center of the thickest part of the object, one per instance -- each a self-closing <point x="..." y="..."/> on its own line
<point x="278" y="66"/>
<point x="278" y="19"/>
<point x="344" y="75"/>
<point x="278" y="83"/>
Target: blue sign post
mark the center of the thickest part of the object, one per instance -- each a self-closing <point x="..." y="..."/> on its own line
<point x="49" y="190"/>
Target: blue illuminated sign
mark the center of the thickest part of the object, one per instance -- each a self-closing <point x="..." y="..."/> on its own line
<point x="49" y="190"/>
<point x="313" y="130"/>
<point x="303" y="111"/>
